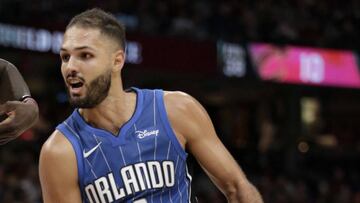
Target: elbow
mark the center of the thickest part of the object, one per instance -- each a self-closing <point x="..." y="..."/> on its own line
<point x="230" y="190"/>
<point x="242" y="192"/>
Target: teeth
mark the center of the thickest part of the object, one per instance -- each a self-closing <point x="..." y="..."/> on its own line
<point x="73" y="82"/>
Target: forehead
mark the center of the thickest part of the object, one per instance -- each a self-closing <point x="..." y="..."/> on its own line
<point x="81" y="37"/>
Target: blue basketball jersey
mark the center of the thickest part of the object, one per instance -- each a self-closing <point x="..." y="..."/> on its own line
<point x="144" y="163"/>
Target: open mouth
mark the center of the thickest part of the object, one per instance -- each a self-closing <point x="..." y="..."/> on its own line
<point x="75" y="85"/>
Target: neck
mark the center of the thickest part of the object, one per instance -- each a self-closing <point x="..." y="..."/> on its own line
<point x="116" y="109"/>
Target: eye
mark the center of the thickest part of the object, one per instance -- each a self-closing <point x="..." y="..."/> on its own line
<point x="65" y="57"/>
<point x="85" y="55"/>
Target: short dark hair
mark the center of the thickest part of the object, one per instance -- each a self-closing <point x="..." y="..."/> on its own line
<point x="105" y="22"/>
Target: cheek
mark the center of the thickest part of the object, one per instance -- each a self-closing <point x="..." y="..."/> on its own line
<point x="95" y="69"/>
<point x="62" y="71"/>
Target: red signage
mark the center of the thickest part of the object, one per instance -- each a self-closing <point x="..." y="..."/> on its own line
<point x="302" y="65"/>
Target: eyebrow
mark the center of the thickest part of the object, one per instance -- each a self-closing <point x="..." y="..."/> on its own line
<point x="78" y="48"/>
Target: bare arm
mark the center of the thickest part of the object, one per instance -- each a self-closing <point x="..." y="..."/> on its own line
<point x="13" y="85"/>
<point x="58" y="171"/>
<point x="18" y="111"/>
<point x="195" y="130"/>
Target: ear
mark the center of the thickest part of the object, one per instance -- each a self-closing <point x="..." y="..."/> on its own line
<point x="119" y="60"/>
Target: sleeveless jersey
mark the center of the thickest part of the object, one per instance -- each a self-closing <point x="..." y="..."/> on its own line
<point x="144" y="163"/>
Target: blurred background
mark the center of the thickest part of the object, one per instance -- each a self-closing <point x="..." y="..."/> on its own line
<point x="280" y="80"/>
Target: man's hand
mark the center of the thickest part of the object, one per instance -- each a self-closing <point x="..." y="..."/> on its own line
<point x="20" y="117"/>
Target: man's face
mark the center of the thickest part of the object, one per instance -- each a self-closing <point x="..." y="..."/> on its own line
<point x="86" y="66"/>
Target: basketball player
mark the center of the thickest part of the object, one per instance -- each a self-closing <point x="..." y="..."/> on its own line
<point x="127" y="146"/>
<point x="18" y="111"/>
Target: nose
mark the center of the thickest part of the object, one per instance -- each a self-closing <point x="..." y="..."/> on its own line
<point x="71" y="66"/>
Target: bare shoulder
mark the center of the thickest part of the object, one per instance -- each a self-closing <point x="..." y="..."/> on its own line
<point x="185" y="113"/>
<point x="56" y="146"/>
<point x="178" y="101"/>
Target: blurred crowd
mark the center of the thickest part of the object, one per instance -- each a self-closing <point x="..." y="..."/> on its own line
<point x="19" y="180"/>
<point x="307" y="173"/>
<point x="282" y="189"/>
<point x="305" y="22"/>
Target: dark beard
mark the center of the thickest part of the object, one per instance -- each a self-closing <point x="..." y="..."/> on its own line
<point x="97" y="91"/>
